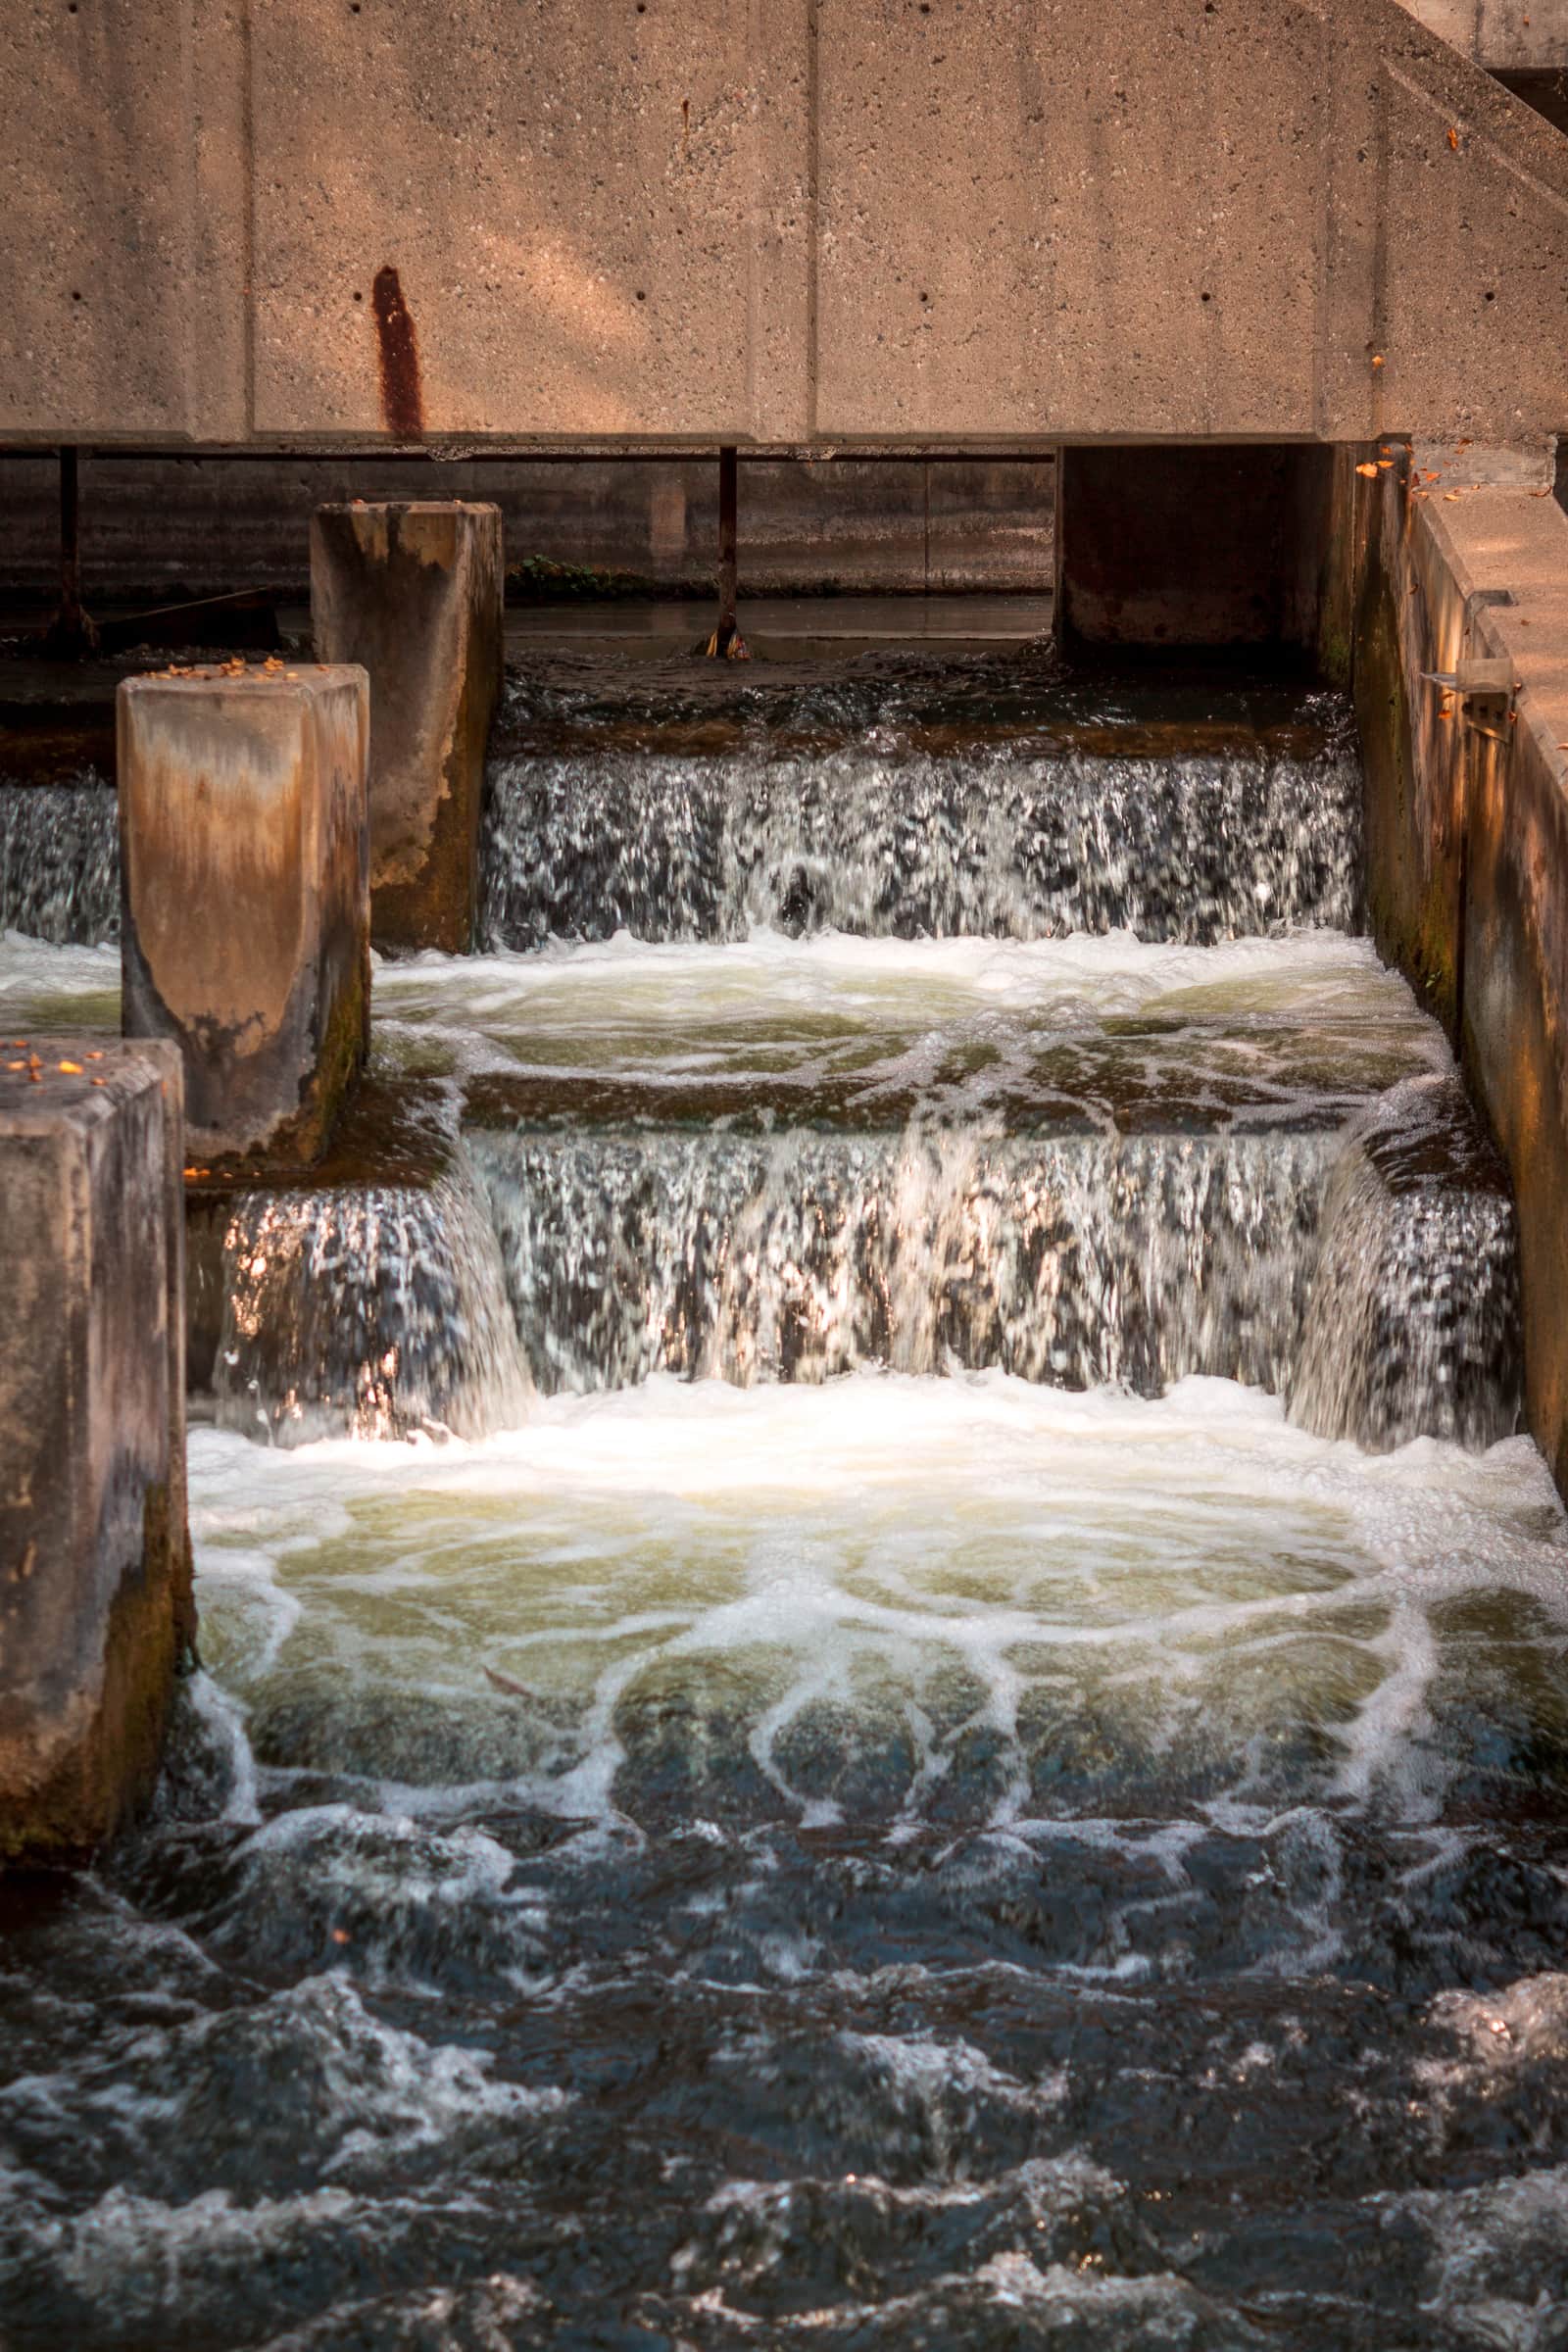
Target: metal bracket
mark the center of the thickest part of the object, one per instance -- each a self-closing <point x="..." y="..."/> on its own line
<point x="1486" y="685"/>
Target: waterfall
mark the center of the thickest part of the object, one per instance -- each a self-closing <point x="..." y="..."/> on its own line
<point x="365" y="1310"/>
<point x="60" y="861"/>
<point x="1071" y="1260"/>
<point x="978" y="842"/>
<point x="1413" y="1318"/>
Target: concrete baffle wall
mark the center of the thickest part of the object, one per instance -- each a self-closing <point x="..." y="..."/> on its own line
<point x="245" y="897"/>
<point x="95" y="1602"/>
<point x="413" y="593"/>
<point x="1466" y="560"/>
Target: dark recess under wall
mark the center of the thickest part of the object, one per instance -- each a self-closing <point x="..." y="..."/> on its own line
<point x="156" y="526"/>
<point x="1543" y="89"/>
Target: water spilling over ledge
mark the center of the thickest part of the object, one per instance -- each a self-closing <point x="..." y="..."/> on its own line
<point x="985" y="843"/>
<point x="60" y="860"/>
<point x="900" y="799"/>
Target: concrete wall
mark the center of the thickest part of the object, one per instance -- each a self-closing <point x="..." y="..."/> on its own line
<point x="1516" y="35"/>
<point x="826" y="222"/>
<point x="161" y="526"/>
<point x="1467" y="835"/>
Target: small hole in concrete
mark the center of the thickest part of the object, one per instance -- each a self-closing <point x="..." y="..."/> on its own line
<point x="74" y="296"/>
<point x="1491" y="296"/>
<point x="641" y="296"/>
<point x="358" y="296"/>
<point x="1206" y="297"/>
<point x="925" y="298"/>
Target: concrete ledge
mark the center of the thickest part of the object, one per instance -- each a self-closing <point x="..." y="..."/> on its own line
<point x="94" y="1558"/>
<point x="413" y="593"/>
<point x="245" y="901"/>
<point x="1468" y="838"/>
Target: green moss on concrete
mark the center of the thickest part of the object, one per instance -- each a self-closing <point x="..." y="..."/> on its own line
<point x="1412" y="898"/>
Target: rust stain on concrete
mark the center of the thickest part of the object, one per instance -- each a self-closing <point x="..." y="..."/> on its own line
<point x="397" y="351"/>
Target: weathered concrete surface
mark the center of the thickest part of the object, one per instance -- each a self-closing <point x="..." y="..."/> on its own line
<point x="959" y="223"/>
<point x="1510" y="35"/>
<point x="245" y="895"/>
<point x="1207" y="546"/>
<point x="1467" y="835"/>
<point x="413" y="593"/>
<point x="95" y="1602"/>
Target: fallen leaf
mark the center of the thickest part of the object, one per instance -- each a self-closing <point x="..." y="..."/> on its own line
<point x="1452" y="497"/>
<point x="1370" y="471"/>
<point x="1454" y="138"/>
<point x="1377" y="359"/>
<point x="72" y="1068"/>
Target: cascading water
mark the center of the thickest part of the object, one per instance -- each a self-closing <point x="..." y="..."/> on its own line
<point x="379" y="1312"/>
<point x="944" y="1774"/>
<point x="60" y="860"/>
<point x="893" y="843"/>
<point x="800" y="1256"/>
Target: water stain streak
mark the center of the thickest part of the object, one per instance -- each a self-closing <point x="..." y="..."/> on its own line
<point x="398" y="352"/>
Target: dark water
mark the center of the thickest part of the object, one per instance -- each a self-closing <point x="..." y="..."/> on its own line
<point x="979" y="1755"/>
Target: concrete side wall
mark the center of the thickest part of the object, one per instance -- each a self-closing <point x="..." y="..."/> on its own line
<point x="1509" y="35"/>
<point x="162" y="526"/>
<point x="1467" y="840"/>
<point x="955" y="222"/>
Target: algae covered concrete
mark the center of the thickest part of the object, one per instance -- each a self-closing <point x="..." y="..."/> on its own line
<point x="967" y="225"/>
<point x="245" y="895"/>
<point x="1467" y="829"/>
<point x="95" y="1590"/>
<point x="413" y="593"/>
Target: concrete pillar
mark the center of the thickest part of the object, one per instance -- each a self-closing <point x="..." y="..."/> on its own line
<point x="413" y="591"/>
<point x="245" y="904"/>
<point x="94" y="1560"/>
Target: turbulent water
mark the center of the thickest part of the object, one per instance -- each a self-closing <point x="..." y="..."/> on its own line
<point x="921" y="1701"/>
<point x="903" y="1863"/>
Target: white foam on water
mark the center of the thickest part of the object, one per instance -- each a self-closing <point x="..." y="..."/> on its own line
<point x="43" y="986"/>
<point x="600" y="990"/>
<point x="1190" y="1575"/>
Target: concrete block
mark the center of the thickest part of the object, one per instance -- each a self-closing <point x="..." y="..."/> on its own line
<point x="94" y="1559"/>
<point x="412" y="592"/>
<point x="245" y="897"/>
